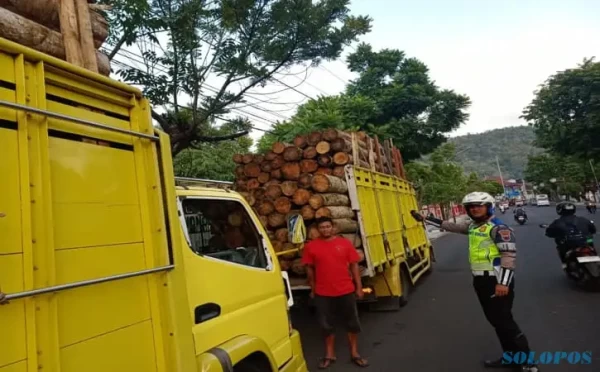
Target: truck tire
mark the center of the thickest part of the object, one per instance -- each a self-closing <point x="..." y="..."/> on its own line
<point x="406" y="286"/>
<point x="253" y="364"/>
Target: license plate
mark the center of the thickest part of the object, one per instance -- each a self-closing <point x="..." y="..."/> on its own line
<point x="521" y="218"/>
<point x="587" y="259"/>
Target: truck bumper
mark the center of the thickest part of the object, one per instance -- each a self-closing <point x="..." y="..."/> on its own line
<point x="297" y="363"/>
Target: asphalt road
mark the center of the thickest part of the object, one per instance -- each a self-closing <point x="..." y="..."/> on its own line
<point x="443" y="328"/>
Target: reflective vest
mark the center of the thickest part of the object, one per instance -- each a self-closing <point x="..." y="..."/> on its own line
<point x="482" y="249"/>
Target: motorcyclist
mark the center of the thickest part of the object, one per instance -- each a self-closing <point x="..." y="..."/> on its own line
<point x="520" y="211"/>
<point x="570" y="231"/>
<point x="492" y="256"/>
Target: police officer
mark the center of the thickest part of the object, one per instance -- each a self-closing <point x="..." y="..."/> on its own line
<point x="492" y="254"/>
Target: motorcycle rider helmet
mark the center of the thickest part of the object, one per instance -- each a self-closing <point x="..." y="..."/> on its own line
<point x="479" y="198"/>
<point x="565" y="208"/>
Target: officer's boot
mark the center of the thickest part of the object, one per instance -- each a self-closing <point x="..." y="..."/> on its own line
<point x="522" y="344"/>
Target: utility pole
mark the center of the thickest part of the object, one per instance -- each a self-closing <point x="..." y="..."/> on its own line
<point x="594" y="173"/>
<point x="501" y="178"/>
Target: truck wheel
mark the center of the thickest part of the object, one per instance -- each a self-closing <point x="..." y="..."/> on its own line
<point x="252" y="365"/>
<point x="406" y="287"/>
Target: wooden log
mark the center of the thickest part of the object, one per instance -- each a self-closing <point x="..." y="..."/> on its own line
<point x="339" y="171"/>
<point x="330" y="134"/>
<point x="290" y="171"/>
<point x="86" y="39"/>
<point x="258" y="158"/>
<point x="354" y="239"/>
<point x="304" y="180"/>
<point x="247" y="158"/>
<point x="308" y="165"/>
<point x="326" y="183"/>
<point x="345" y="226"/>
<point x="251" y="170"/>
<point x="276" y="220"/>
<point x="276" y="174"/>
<point x="270" y="156"/>
<point x="277" y="245"/>
<point x="236" y="218"/>
<point x="307" y="212"/>
<point x="33" y="35"/>
<point x="46" y="13"/>
<point x="298" y="267"/>
<point x="289" y="256"/>
<point x="239" y="172"/>
<point x="337" y="212"/>
<point x="281" y="235"/>
<point x="237" y="158"/>
<point x="309" y="152"/>
<point x="313" y="232"/>
<point x="323" y="147"/>
<point x="283" y="205"/>
<point x="292" y="153"/>
<point x="323" y="212"/>
<point x="288" y="188"/>
<point x="300" y="141"/>
<point x="342" y="158"/>
<point x="263" y="177"/>
<point x="324" y="160"/>
<point x="265" y="166"/>
<point x="278" y="162"/>
<point x="313" y="138"/>
<point x="249" y="198"/>
<point x="279" y="147"/>
<point x="241" y="185"/>
<point x="323" y="170"/>
<point x="328" y="200"/>
<point x="301" y="197"/>
<point x="264" y="220"/>
<point x="340" y="144"/>
<point x="272" y="182"/>
<point x="259" y="194"/>
<point x="252" y="184"/>
<point x="273" y="191"/>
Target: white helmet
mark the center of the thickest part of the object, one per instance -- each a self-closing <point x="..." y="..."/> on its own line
<point x="479" y="198"/>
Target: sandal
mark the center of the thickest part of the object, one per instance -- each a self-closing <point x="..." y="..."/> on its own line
<point x="326" y="362"/>
<point x="360" y="361"/>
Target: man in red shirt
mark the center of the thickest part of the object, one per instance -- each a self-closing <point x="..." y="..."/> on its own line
<point x="332" y="270"/>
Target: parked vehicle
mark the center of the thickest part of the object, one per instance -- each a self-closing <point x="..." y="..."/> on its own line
<point x="107" y="266"/>
<point x="542" y="200"/>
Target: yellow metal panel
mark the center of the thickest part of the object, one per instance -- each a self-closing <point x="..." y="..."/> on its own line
<point x="125" y="350"/>
<point x="92" y="196"/>
<point x="13" y="343"/>
<point x="16" y="367"/>
<point x="10" y="193"/>
<point x="7" y="113"/>
<point x="83" y="99"/>
<point x="6" y="66"/>
<point x="390" y="213"/>
<point x="85" y="114"/>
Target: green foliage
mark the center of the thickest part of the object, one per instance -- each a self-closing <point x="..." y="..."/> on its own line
<point x="566" y="112"/>
<point x="569" y="172"/>
<point x="244" y="43"/>
<point x="512" y="145"/>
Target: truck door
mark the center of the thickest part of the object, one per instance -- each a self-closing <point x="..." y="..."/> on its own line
<point x="233" y="286"/>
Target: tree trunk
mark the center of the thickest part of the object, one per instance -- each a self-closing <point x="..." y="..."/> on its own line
<point x="292" y="153"/>
<point x="304" y="180"/>
<point x="342" y="158"/>
<point x="300" y="141"/>
<point x="323" y="170"/>
<point x="308" y="166"/>
<point x="339" y="171"/>
<point x="328" y="200"/>
<point x="247" y="158"/>
<point x="276" y="220"/>
<point x="236" y="218"/>
<point x="290" y="171"/>
<point x="263" y="177"/>
<point x="313" y="138"/>
<point x="345" y="226"/>
<point x="337" y="212"/>
<point x="283" y="205"/>
<point x="278" y="162"/>
<point x="324" y="160"/>
<point x="289" y="188"/>
<point x="309" y="152"/>
<point x="265" y="166"/>
<point x="276" y="174"/>
<point x="326" y="183"/>
<point x="279" y="147"/>
<point x="251" y="170"/>
<point x="33" y="35"/>
<point x="270" y="156"/>
<point x="273" y="191"/>
<point x="354" y="238"/>
<point x="238" y="158"/>
<point x="301" y="197"/>
<point x="252" y="184"/>
<point x="307" y="212"/>
<point x="281" y="235"/>
<point x="340" y="144"/>
<point x="323" y="147"/>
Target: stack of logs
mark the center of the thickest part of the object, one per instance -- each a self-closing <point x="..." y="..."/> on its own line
<point x="71" y="30"/>
<point x="308" y="177"/>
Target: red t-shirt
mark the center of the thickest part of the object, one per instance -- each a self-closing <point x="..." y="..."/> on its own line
<point x="331" y="259"/>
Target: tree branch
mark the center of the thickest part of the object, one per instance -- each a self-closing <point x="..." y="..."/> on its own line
<point x="220" y="138"/>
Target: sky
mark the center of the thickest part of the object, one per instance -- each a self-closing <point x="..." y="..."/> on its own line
<point x="496" y="52"/>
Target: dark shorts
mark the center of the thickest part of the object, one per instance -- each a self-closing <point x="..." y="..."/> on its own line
<point x="340" y="309"/>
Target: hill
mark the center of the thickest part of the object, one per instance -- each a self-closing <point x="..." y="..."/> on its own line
<point x="512" y="145"/>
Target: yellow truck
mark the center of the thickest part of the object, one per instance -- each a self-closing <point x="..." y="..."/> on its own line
<point x="397" y="250"/>
<point x="108" y="266"/>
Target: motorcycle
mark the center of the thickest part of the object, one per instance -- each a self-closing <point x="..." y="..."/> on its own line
<point x="521" y="220"/>
<point x="582" y="265"/>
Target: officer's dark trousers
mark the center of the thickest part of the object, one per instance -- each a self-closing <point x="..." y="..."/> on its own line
<point x="498" y="311"/>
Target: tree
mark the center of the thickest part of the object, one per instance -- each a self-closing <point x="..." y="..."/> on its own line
<point x="245" y="43"/>
<point x="570" y="174"/>
<point x="565" y="112"/>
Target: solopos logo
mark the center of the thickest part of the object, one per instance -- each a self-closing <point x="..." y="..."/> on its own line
<point x="547" y="357"/>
